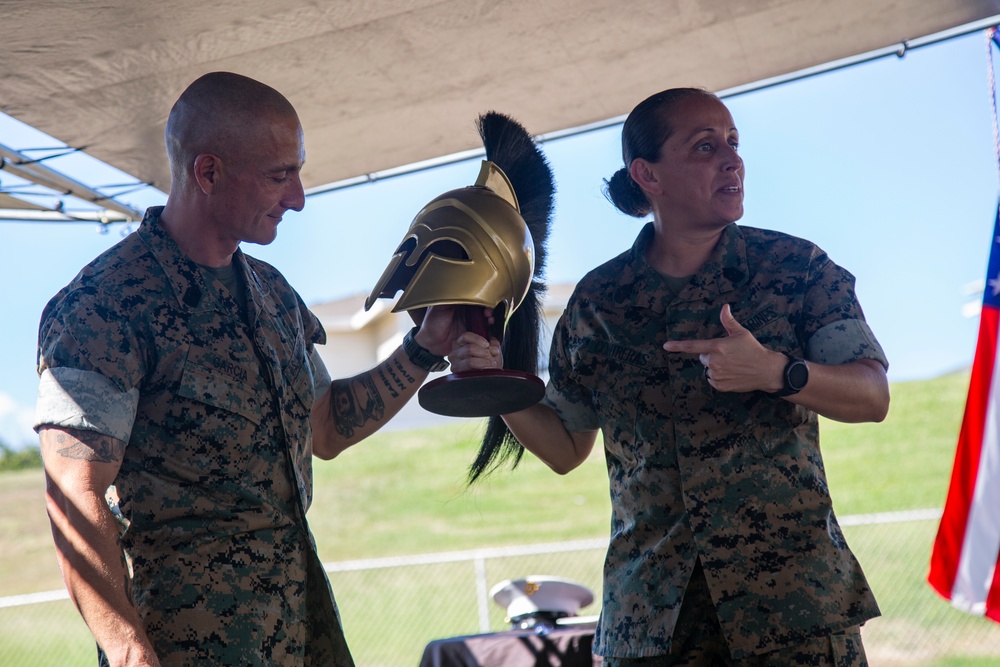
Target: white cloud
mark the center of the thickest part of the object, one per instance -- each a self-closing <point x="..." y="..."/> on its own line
<point x="15" y="423"/>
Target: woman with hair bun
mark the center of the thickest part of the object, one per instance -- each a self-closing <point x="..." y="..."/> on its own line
<point x="704" y="355"/>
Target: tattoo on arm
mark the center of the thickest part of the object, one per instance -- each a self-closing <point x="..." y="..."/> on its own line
<point x="342" y="407"/>
<point x="89" y="446"/>
<point x="355" y="402"/>
<point x="386" y="383"/>
<point x="369" y="400"/>
<point x="402" y="371"/>
<point x="392" y="374"/>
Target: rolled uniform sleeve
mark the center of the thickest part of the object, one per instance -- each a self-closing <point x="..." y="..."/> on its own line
<point x="570" y="400"/>
<point x="321" y="376"/>
<point x="843" y="342"/>
<point x="74" y="398"/>
<point x="834" y="329"/>
<point x="576" y="416"/>
<point x="89" y="366"/>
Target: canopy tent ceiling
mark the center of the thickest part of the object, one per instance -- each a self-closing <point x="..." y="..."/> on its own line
<point x="384" y="83"/>
<point x="8" y="201"/>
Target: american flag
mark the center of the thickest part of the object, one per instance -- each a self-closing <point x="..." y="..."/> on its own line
<point x="964" y="562"/>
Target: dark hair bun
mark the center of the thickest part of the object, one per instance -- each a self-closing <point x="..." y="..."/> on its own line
<point x="626" y="194"/>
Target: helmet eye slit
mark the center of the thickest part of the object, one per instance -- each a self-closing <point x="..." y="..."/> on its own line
<point x="445" y="248"/>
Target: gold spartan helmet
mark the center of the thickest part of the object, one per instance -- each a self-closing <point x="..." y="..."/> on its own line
<point x="468" y="246"/>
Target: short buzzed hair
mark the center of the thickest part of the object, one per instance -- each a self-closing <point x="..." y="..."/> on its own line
<point x="216" y="114"/>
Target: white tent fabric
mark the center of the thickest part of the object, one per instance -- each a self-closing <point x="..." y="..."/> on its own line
<point x="383" y="83"/>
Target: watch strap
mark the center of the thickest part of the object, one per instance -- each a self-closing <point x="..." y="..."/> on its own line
<point x="790" y="388"/>
<point x="420" y="356"/>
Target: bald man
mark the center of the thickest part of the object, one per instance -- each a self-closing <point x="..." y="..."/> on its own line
<point x="181" y="398"/>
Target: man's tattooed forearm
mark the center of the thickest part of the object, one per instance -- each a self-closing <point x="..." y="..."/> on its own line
<point x="342" y="408"/>
<point x="386" y="383"/>
<point x="392" y="373"/>
<point x="402" y="371"/>
<point x="89" y="446"/>
<point x="369" y="399"/>
<point x="355" y="402"/>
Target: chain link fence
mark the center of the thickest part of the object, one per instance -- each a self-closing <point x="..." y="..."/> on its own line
<point x="393" y="607"/>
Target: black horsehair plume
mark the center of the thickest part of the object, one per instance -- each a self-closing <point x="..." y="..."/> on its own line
<point x="510" y="147"/>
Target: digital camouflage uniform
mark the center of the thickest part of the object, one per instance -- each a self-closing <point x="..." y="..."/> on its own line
<point x="735" y="479"/>
<point x="217" y="474"/>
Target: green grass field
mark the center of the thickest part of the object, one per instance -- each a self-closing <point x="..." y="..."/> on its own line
<point x="401" y="494"/>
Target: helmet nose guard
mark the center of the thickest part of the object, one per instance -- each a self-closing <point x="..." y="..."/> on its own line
<point x="468" y="246"/>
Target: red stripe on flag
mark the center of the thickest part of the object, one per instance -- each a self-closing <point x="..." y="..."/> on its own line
<point x="993" y="597"/>
<point x="951" y="532"/>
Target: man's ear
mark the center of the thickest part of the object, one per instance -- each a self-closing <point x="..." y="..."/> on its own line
<point x="207" y="171"/>
<point x="645" y="176"/>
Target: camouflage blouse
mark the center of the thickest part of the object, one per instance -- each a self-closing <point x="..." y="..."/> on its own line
<point x="735" y="479"/>
<point x="217" y="473"/>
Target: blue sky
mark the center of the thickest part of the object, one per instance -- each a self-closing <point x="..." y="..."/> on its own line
<point x="888" y="165"/>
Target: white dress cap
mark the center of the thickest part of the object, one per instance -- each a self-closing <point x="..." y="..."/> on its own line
<point x="540" y="593"/>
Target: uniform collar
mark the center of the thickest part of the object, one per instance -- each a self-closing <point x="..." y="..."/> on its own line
<point x="186" y="278"/>
<point x="726" y="270"/>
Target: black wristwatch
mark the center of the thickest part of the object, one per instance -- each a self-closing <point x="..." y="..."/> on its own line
<point x="796" y="376"/>
<point x="420" y="356"/>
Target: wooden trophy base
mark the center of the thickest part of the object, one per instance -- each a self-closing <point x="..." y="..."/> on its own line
<point x="481" y="393"/>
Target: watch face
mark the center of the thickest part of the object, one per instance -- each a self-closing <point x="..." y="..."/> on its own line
<point x="797" y="375"/>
